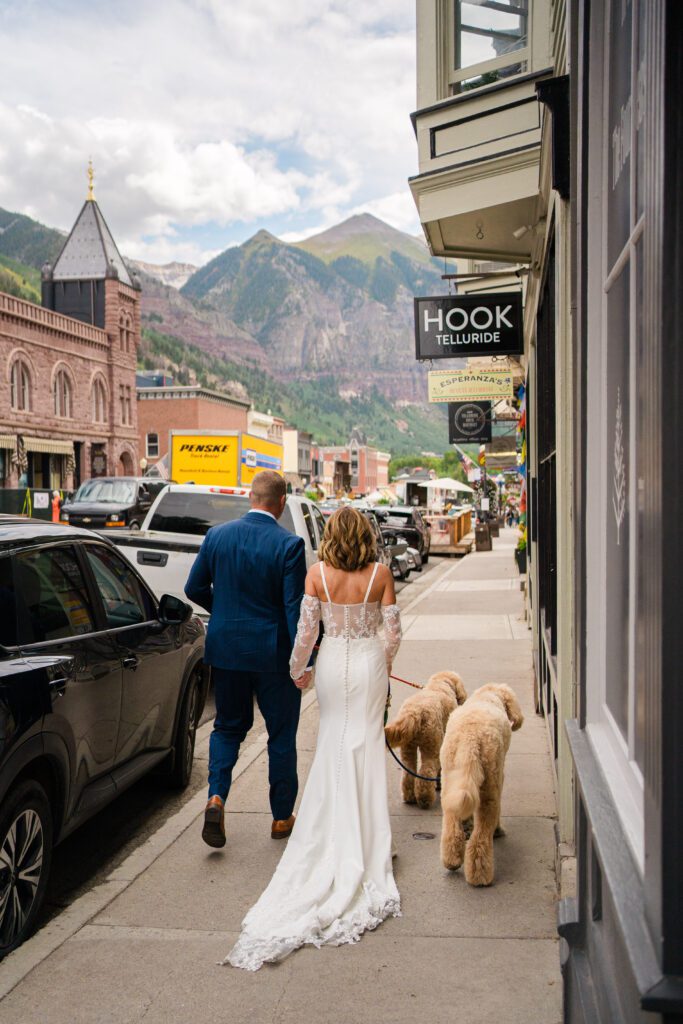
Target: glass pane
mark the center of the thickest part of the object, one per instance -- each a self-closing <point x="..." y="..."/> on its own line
<point x="640" y="87"/>
<point x="309" y="524"/>
<point x="8" y="605"/>
<point x="617" y="475"/>
<point x="642" y="619"/>
<point x="125" y="600"/>
<point x="485" y="29"/>
<point x="619" y="127"/>
<point x="197" y="513"/>
<point x="52" y="599"/>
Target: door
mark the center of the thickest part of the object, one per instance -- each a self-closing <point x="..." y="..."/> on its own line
<point x="151" y="655"/>
<point x="56" y="616"/>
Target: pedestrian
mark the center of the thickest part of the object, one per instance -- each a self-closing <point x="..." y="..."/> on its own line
<point x="335" y="878"/>
<point x="249" y="574"/>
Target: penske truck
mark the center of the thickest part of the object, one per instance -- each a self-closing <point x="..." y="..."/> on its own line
<point x="222" y="458"/>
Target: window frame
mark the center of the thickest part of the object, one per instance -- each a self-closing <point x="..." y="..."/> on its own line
<point x="20" y="385"/>
<point x="615" y="750"/>
<point x="150" y="454"/>
<point x="457" y="76"/>
<point x="63" y="394"/>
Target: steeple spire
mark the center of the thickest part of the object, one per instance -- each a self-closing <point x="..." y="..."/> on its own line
<point x="91" y="182"/>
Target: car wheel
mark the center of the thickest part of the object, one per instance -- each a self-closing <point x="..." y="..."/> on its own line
<point x="396" y="570"/>
<point x="134" y="525"/>
<point x="183" y="748"/>
<point x="25" y="858"/>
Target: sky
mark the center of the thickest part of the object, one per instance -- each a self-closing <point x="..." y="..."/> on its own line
<point x="207" y="120"/>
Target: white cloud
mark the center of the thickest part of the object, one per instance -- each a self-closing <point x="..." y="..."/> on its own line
<point x="207" y="112"/>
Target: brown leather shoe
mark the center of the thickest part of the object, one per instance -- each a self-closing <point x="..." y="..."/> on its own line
<point x="282" y="829"/>
<point x="213" y="832"/>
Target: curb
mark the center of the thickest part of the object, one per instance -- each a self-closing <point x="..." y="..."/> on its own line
<point x="39" y="947"/>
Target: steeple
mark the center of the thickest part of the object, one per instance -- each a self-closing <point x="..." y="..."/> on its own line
<point x="88" y="268"/>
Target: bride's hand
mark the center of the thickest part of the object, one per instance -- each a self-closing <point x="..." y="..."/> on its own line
<point x="304" y="680"/>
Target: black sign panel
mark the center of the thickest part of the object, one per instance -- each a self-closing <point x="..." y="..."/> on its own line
<point x="451" y="326"/>
<point x="469" y="421"/>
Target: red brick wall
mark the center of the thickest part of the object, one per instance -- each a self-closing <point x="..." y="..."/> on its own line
<point x="48" y="341"/>
<point x="161" y="415"/>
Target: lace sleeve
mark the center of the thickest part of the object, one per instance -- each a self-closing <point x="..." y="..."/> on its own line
<point x="391" y="617"/>
<point x="306" y="635"/>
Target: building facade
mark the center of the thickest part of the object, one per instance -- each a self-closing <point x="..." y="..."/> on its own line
<point x="184" y="407"/>
<point x="555" y="151"/>
<point x="67" y="404"/>
<point x="297" y="456"/>
<point x="356" y="467"/>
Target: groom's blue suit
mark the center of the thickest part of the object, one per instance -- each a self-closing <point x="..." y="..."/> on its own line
<point x="249" y="574"/>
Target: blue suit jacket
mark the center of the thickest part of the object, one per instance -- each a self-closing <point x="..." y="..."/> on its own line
<point x="249" y="574"/>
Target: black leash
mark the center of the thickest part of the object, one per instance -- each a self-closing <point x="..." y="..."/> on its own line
<point x="425" y="778"/>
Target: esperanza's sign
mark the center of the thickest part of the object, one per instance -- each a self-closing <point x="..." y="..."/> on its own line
<point x="448" y="326"/>
<point x="469" y="385"/>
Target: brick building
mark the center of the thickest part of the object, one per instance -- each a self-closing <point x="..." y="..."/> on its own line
<point x="67" y="391"/>
<point x="184" y="407"/>
<point x="356" y="467"/>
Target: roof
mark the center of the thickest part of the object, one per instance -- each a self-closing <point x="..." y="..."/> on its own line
<point x="90" y="250"/>
<point x="13" y="528"/>
<point x="190" y="391"/>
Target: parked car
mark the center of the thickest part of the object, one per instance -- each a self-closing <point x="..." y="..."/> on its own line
<point x="110" y="502"/>
<point x="406" y="522"/>
<point x="165" y="548"/>
<point x="99" y="683"/>
<point x="390" y="550"/>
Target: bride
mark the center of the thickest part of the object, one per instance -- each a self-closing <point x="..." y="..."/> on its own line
<point x="335" y="879"/>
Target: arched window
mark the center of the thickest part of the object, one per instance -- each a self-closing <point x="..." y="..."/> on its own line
<point x="99" y="401"/>
<point x="63" y="395"/>
<point x="125" y="332"/>
<point x="20" y="385"/>
<point x="122" y="333"/>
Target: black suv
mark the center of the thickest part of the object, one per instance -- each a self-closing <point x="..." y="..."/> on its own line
<point x="408" y="524"/>
<point x="99" y="683"/>
<point x="109" y="501"/>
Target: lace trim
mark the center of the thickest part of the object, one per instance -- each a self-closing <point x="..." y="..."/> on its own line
<point x="251" y="952"/>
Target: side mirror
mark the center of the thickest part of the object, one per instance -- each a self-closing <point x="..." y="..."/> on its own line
<point x="173" y="611"/>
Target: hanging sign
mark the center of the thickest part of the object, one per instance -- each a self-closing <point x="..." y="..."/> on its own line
<point x="469" y="421"/>
<point x="469" y="385"/>
<point x="486" y="324"/>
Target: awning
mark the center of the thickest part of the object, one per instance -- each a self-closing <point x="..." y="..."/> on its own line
<point x="8" y="441"/>
<point x="48" y="446"/>
<point x="447" y="483"/>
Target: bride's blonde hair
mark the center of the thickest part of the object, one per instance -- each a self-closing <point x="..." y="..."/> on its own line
<point x="348" y="541"/>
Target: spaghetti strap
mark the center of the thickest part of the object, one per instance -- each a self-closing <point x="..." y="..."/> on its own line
<point x="322" y="573"/>
<point x="372" y="580"/>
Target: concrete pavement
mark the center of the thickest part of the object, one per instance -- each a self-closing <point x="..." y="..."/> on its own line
<point x="144" y="946"/>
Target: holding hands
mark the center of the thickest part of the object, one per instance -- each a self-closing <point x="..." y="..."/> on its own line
<point x="304" y="680"/>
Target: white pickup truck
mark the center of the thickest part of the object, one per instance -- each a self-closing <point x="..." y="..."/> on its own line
<point x="163" y="550"/>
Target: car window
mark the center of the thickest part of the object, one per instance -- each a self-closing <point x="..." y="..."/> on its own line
<point x="286" y="520"/>
<point x="52" y="600"/>
<point x="8" y="617"/>
<point x="320" y="520"/>
<point x="308" y="519"/>
<point x="126" y="602"/>
<point x="182" y="512"/>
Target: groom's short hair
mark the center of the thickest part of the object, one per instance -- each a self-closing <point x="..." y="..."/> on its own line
<point x="268" y="488"/>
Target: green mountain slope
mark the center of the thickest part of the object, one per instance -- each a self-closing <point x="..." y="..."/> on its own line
<point x="24" y="239"/>
<point x="18" y="279"/>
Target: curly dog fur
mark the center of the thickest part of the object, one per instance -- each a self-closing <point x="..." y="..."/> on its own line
<point x="472" y="759"/>
<point x="421" y="725"/>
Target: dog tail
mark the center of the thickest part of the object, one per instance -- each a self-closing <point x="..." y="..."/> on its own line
<point x="404" y="728"/>
<point x="462" y="781"/>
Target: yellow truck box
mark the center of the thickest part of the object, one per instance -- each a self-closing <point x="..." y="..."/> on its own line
<point x="221" y="458"/>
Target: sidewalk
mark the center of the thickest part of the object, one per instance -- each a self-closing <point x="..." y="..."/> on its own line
<point x="144" y="946"/>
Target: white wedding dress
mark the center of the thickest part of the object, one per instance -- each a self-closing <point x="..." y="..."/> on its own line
<point x="335" y="879"/>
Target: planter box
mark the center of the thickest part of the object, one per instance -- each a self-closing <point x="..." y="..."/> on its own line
<point x="520" y="559"/>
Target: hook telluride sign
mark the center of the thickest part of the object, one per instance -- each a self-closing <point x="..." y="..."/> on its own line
<point x="451" y="326"/>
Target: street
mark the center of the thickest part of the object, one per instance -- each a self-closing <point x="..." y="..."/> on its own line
<point x="92" y="852"/>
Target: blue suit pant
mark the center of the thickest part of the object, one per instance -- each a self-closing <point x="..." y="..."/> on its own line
<point x="280" y="703"/>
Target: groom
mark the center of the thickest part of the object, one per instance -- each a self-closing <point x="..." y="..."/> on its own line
<point x="249" y="574"/>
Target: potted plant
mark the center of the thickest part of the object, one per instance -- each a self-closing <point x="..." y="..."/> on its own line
<point x="520" y="551"/>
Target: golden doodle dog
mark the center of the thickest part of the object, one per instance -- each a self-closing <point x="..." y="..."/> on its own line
<point x="472" y="763"/>
<point x="420" y="726"/>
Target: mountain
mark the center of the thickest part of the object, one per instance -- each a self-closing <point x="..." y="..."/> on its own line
<point x="173" y="274"/>
<point x="313" y="316"/>
<point x="25" y="240"/>
<point x="320" y="332"/>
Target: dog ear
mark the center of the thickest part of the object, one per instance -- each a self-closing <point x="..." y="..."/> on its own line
<point x="460" y="691"/>
<point x="512" y="708"/>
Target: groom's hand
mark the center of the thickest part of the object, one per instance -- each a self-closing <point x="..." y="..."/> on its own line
<point x="304" y="680"/>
